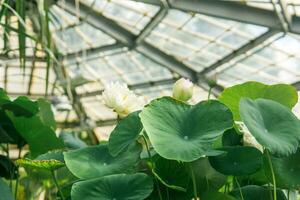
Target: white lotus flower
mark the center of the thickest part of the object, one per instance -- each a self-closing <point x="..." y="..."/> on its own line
<point x="119" y="98"/>
<point x="183" y="89"/>
<point x="248" y="138"/>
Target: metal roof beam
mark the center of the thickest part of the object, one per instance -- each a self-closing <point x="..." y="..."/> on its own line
<point x="97" y="20"/>
<point x="166" y="60"/>
<point x="233" y="11"/>
<point x="133" y="87"/>
<point x="159" y="16"/>
<point x="229" y="10"/>
<point x="127" y="38"/>
<point x="250" y="45"/>
<point x="90" y="53"/>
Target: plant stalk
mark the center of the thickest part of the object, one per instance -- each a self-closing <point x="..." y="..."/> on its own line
<point x="56" y="184"/>
<point x="209" y="93"/>
<point x="238" y="184"/>
<point x="273" y="175"/>
<point x="194" y="182"/>
<point x="17" y="180"/>
<point x="152" y="165"/>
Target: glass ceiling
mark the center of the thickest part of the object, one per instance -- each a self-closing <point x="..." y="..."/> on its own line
<point x="213" y="45"/>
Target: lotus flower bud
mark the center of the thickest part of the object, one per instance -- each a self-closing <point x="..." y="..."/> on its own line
<point x="119" y="98"/>
<point x="183" y="89"/>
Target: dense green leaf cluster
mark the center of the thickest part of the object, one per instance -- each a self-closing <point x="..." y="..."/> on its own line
<point x="244" y="145"/>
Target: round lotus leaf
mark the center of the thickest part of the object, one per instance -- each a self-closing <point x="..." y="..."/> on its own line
<point x="273" y="125"/>
<point x="216" y="196"/>
<point x="171" y="173"/>
<point x="114" y="187"/>
<point x="286" y="169"/>
<point x="251" y="192"/>
<point x="125" y="133"/>
<point x="281" y="93"/>
<point x="179" y="131"/>
<point x="232" y="138"/>
<point x="237" y="161"/>
<point x="96" y="161"/>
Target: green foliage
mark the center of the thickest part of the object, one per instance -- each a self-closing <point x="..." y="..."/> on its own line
<point x="237" y="161"/>
<point x="119" y="186"/>
<point x="41" y="138"/>
<point x="171" y="124"/>
<point x="286" y="169"/>
<point x="170" y="150"/>
<point x="216" y="196"/>
<point x="125" y="133"/>
<point x="46" y="114"/>
<point x="165" y="169"/>
<point x="100" y="162"/>
<point x="8" y="169"/>
<point x="281" y="93"/>
<point x="40" y="164"/>
<point x="252" y="192"/>
<point x="71" y="141"/>
<point x="5" y="191"/>
<point x="267" y="119"/>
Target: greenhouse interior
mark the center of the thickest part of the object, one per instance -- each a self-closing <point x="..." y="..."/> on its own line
<point x="149" y="99"/>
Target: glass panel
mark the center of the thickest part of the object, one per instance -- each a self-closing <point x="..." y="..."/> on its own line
<point x="132" y="15"/>
<point x="198" y="40"/>
<point x="80" y="37"/>
<point x="278" y="62"/>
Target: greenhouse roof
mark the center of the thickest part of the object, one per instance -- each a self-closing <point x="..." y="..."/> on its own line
<point x="148" y="44"/>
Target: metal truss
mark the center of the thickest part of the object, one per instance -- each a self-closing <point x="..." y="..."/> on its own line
<point x="225" y="9"/>
<point x="234" y="11"/>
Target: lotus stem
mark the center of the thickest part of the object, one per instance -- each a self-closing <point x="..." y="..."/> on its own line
<point x="152" y="165"/>
<point x="17" y="180"/>
<point x="56" y="184"/>
<point x="238" y="184"/>
<point x="209" y="93"/>
<point x="194" y="183"/>
<point x="273" y="175"/>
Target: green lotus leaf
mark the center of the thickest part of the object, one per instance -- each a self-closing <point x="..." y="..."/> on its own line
<point x="8" y="132"/>
<point x="171" y="173"/>
<point x="281" y="93"/>
<point x="22" y="106"/>
<point x="96" y="161"/>
<point x="179" y="131"/>
<point x="238" y="161"/>
<point x="273" y="125"/>
<point x="216" y="196"/>
<point x="207" y="177"/>
<point x="71" y="141"/>
<point x="286" y="169"/>
<point x="46" y="114"/>
<point x="114" y="187"/>
<point x="5" y="191"/>
<point x="40" y="164"/>
<point x="251" y="192"/>
<point x="232" y="138"/>
<point x="40" y="137"/>
<point x="3" y="97"/>
<point x="125" y="133"/>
